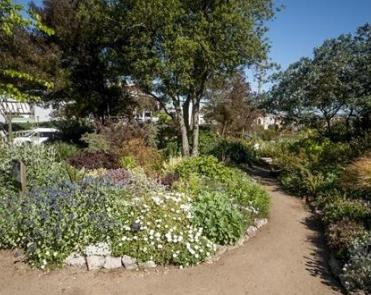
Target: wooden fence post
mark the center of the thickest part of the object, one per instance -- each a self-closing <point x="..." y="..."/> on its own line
<point x="20" y="174"/>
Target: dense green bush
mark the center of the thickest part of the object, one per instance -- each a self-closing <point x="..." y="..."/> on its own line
<point x="206" y="166"/>
<point x="221" y="221"/>
<point x="206" y="173"/>
<point x="65" y="150"/>
<point x="234" y="151"/>
<point x="340" y="209"/>
<point x="41" y="164"/>
<point x="213" y="184"/>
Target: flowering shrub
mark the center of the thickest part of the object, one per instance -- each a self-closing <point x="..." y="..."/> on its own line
<point x="159" y="227"/>
<point x="133" y="214"/>
<point x="54" y="221"/>
<point x="67" y="210"/>
<point x="357" y="271"/>
<point x="341" y="234"/>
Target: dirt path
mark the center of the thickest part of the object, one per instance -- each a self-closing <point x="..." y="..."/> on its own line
<point x="286" y="257"/>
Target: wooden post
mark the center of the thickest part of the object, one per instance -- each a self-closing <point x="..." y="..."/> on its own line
<point x="20" y="175"/>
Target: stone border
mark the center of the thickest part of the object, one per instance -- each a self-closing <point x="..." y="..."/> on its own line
<point x="99" y="257"/>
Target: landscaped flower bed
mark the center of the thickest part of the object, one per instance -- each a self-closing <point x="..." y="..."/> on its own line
<point x="66" y="211"/>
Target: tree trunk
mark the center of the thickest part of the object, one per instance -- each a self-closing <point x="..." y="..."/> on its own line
<point x="328" y="123"/>
<point x="196" y="127"/>
<point x="224" y="128"/>
<point x="10" y="127"/>
<point x="186" y="114"/>
<point x="183" y="130"/>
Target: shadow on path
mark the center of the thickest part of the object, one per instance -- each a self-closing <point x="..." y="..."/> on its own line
<point x="317" y="263"/>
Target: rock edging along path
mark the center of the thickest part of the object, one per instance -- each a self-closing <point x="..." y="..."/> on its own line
<point x="286" y="257"/>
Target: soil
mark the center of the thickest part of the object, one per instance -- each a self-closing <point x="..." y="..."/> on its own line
<point x="286" y="257"/>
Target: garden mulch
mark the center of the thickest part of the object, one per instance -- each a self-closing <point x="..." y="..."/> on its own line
<point x="286" y="257"/>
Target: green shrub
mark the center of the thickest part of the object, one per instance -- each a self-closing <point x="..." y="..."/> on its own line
<point x="357" y="271"/>
<point x="10" y="216"/>
<point x="41" y="164"/>
<point x="207" y="174"/>
<point x="234" y="151"/>
<point x="206" y="166"/>
<point x="128" y="162"/>
<point x="207" y="142"/>
<point x="341" y="209"/>
<point x="166" y="234"/>
<point x="221" y="221"/>
<point x="64" y="150"/>
<point x="96" y="142"/>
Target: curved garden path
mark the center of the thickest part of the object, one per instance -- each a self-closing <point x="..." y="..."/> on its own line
<point x="286" y="257"/>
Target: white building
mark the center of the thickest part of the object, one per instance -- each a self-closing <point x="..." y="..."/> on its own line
<point x="20" y="112"/>
<point x="267" y="120"/>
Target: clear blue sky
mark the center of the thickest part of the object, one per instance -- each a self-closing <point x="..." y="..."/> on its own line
<point x="305" y="24"/>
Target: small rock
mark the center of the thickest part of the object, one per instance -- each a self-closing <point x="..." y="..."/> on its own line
<point x="260" y="222"/>
<point x="95" y="262"/>
<point x="147" y="264"/>
<point x="75" y="260"/>
<point x="99" y="249"/>
<point x="220" y="250"/>
<point x="112" y="262"/>
<point x="129" y="263"/>
<point x="251" y="231"/>
<point x="19" y="255"/>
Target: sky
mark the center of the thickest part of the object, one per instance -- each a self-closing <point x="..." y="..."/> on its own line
<point x="305" y="24"/>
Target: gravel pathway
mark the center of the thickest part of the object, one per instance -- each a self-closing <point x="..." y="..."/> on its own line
<point x="286" y="257"/>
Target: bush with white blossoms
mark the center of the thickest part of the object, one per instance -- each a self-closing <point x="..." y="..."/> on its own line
<point x="356" y="273"/>
<point x="159" y="227"/>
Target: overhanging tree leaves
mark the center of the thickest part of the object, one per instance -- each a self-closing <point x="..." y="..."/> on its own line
<point x="26" y="62"/>
<point x="176" y="47"/>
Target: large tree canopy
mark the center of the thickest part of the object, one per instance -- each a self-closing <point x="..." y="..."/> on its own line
<point x="92" y="83"/>
<point x="175" y="47"/>
<point x="25" y="60"/>
<point x="336" y="81"/>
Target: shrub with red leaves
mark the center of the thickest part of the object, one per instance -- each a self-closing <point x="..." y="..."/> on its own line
<point x="94" y="160"/>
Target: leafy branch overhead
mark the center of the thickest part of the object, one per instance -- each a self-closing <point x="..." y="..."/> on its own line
<point x="15" y="80"/>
